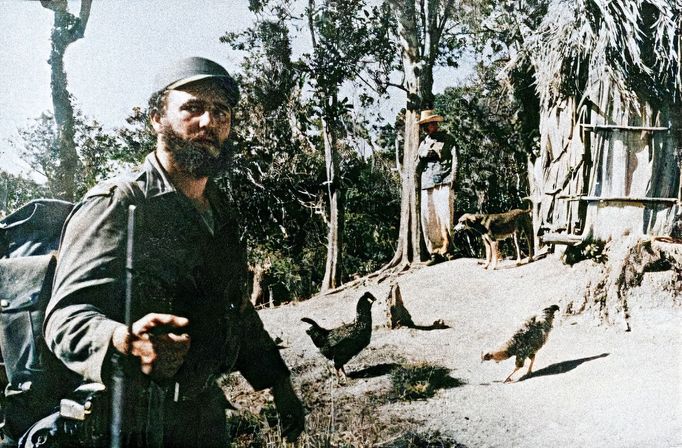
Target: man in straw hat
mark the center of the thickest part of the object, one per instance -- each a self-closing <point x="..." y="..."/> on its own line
<point x="189" y="320"/>
<point x="437" y="165"/>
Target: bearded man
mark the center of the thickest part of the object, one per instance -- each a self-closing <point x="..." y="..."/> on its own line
<point x="190" y="318"/>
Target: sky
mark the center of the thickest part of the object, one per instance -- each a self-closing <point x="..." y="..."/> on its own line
<point x="109" y="70"/>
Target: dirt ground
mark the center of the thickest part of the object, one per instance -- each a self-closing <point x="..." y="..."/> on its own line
<point x="594" y="385"/>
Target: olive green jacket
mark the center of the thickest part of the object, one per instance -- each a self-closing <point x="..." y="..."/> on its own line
<point x="180" y="267"/>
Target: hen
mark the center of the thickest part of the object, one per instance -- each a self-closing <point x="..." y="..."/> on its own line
<point x="342" y="343"/>
<point x="526" y="342"/>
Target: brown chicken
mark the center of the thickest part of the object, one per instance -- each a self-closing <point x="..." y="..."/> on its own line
<point x="342" y="343"/>
<point x="526" y="341"/>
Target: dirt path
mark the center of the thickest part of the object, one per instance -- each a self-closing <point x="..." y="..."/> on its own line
<point x="593" y="385"/>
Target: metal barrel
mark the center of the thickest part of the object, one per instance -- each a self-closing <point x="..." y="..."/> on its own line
<point x="118" y="380"/>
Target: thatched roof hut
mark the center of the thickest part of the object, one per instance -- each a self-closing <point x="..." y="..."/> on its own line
<point x="610" y="88"/>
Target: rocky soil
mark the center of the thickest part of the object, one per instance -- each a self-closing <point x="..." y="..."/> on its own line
<point x="594" y="384"/>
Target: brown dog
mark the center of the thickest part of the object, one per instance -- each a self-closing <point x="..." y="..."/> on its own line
<point x="498" y="226"/>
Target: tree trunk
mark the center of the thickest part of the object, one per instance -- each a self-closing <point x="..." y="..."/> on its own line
<point x="328" y="95"/>
<point x="67" y="29"/>
<point x="408" y="237"/>
<point x="398" y="316"/>
<point x="420" y="27"/>
<point x="260" y="285"/>
<point x="332" y="271"/>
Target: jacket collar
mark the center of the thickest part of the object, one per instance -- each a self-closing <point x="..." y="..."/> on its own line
<point x="156" y="180"/>
<point x="157" y="183"/>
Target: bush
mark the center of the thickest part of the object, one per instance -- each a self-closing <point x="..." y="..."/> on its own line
<point x="421" y="381"/>
<point x="416" y="440"/>
<point x="585" y="251"/>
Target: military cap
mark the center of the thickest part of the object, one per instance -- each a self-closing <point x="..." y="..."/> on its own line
<point x="193" y="69"/>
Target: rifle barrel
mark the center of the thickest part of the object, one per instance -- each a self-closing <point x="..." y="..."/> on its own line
<point x="118" y="380"/>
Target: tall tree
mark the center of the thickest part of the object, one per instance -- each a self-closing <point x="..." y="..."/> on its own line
<point x="350" y="43"/>
<point x="328" y="75"/>
<point x="345" y="48"/>
<point x="427" y="33"/>
<point x="278" y="171"/>
<point x="67" y="29"/>
<point x="500" y="30"/>
<point x="339" y="43"/>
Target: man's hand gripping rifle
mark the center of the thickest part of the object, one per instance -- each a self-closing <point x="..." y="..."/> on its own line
<point x="156" y="340"/>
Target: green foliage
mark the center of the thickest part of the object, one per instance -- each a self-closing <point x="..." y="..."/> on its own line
<point x="279" y="176"/>
<point x="342" y="43"/>
<point x="101" y="153"/>
<point x="497" y="32"/>
<point x="135" y="140"/>
<point x="15" y="191"/>
<point x="499" y="27"/>
<point x="492" y="163"/>
<point x="96" y="149"/>
<point x="275" y="178"/>
<point x="493" y="149"/>
<point x="421" y="381"/>
<point x="282" y="208"/>
<point x="372" y="214"/>
<point x="38" y="146"/>
<point x="352" y="43"/>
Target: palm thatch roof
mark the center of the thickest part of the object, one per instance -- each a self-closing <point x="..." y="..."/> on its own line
<point x="633" y="44"/>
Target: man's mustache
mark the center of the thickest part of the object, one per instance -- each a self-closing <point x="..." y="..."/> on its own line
<point x="205" y="137"/>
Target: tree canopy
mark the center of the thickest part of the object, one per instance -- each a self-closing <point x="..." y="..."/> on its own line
<point x="324" y="182"/>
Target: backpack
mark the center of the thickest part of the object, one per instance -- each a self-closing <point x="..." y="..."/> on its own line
<point x="32" y="379"/>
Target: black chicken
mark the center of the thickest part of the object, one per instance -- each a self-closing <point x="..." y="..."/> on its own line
<point x="526" y="341"/>
<point x="342" y="343"/>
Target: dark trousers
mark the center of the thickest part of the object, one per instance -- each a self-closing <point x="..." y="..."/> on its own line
<point x="198" y="422"/>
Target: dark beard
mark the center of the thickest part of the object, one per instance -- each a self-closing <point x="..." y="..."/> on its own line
<point x="194" y="158"/>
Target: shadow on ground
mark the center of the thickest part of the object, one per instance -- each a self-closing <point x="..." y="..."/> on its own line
<point x="374" y="371"/>
<point x="561" y="367"/>
<point x="421" y="381"/>
<point x="436" y="325"/>
<point x="421" y="440"/>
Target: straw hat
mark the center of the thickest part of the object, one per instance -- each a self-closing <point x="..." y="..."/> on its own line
<point x="427" y="116"/>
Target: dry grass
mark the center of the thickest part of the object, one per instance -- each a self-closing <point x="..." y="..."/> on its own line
<point x="337" y="418"/>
